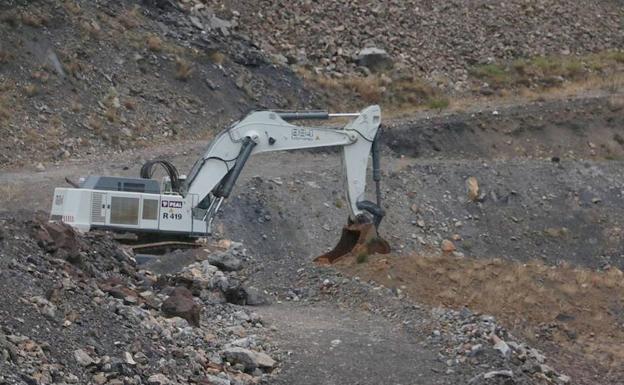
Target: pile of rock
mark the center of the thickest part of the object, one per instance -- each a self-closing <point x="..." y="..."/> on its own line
<point x="77" y="309"/>
<point x="430" y="37"/>
<point x="479" y="341"/>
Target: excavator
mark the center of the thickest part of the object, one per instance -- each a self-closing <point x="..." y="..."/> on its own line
<point x="188" y="205"/>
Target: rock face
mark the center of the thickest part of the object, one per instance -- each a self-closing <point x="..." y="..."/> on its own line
<point x="181" y="304"/>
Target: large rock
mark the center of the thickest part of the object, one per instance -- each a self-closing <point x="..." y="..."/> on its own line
<point x="225" y="261"/>
<point x="375" y="59"/>
<point x="181" y="304"/>
<point x="241" y="295"/>
<point x="248" y="358"/>
<point x="56" y="237"/>
<point x="83" y="358"/>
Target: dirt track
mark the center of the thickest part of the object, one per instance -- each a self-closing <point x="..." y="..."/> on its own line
<point x="532" y="208"/>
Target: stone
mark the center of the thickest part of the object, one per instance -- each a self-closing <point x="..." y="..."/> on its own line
<point x="498" y="373"/>
<point x="500" y="345"/>
<point x="562" y="379"/>
<point x="214" y="380"/>
<point x="248" y="358"/>
<point x="83" y="358"/>
<point x="447" y="246"/>
<point x="242" y="295"/>
<point x="39" y="167"/>
<point x="128" y="359"/>
<point x="158" y="379"/>
<point x="181" y="304"/>
<point x="225" y="261"/>
<point x="375" y="59"/>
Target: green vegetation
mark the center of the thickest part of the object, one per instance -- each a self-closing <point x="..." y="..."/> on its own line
<point x="548" y="71"/>
<point x="362" y="257"/>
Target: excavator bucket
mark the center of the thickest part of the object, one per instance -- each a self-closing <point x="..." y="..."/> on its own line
<point x="356" y="239"/>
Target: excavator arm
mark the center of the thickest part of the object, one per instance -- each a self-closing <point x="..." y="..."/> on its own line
<point x="213" y="176"/>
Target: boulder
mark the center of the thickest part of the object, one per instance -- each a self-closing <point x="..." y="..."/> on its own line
<point x="248" y="358"/>
<point x="375" y="59"/>
<point x="181" y="304"/>
<point x="225" y="261"/>
<point x="83" y="358"/>
<point x="241" y="295"/>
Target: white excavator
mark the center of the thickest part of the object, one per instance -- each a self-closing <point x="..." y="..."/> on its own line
<point x="188" y="205"/>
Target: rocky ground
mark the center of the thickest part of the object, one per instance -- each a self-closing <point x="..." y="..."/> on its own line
<point x="80" y="77"/>
<point x="435" y="39"/>
<point x="289" y="207"/>
<point x="503" y="197"/>
<point x="83" y="77"/>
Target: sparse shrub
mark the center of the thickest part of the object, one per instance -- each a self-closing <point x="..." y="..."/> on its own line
<point x="111" y="114"/>
<point x="94" y="124"/>
<point x="91" y="28"/>
<point x="367" y="88"/>
<point x="5" y="57"/>
<point x="494" y="74"/>
<point x="73" y="66"/>
<point x="4" y="112"/>
<point x="154" y="43"/>
<point x="362" y="257"/>
<point x="10" y="17"/>
<point x="129" y="19"/>
<point x="75" y="106"/>
<point x="33" y="20"/>
<point x="438" y="103"/>
<point x="129" y="104"/>
<point x="184" y="69"/>
<point x="216" y="57"/>
<point x="72" y="7"/>
<point x="31" y="90"/>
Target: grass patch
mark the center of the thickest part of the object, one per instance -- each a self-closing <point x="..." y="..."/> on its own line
<point x="402" y="92"/>
<point x="548" y="71"/>
<point x="362" y="257"/>
<point x="184" y="69"/>
<point x="31" y="90"/>
<point x="154" y="43"/>
<point x="216" y="57"/>
<point x="439" y="103"/>
<point x="130" y="18"/>
<point x="34" y="20"/>
<point x="72" y="7"/>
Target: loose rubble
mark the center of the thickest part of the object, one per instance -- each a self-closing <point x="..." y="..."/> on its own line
<point x="82" y="311"/>
<point x="438" y="40"/>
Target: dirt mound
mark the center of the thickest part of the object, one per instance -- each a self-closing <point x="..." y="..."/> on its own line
<point x="578" y="311"/>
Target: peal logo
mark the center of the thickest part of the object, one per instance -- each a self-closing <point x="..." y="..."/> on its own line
<point x="172" y="204"/>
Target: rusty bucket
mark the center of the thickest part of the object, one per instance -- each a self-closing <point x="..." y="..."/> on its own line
<point x="356" y="239"/>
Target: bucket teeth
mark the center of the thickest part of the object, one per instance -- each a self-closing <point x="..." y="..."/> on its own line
<point x="356" y="239"/>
